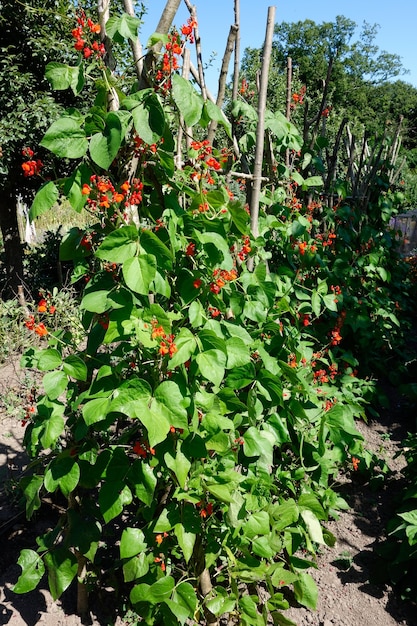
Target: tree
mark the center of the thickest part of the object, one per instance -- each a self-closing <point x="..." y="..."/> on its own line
<point x="357" y="65"/>
<point x="30" y="37"/>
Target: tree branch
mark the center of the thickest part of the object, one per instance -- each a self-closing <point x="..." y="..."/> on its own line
<point x="236" y="64"/>
<point x="135" y="45"/>
<point x="223" y="77"/>
<point x="202" y="81"/>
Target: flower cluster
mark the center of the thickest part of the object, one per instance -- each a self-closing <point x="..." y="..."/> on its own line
<point x="204" y="153"/>
<point x="221" y="278"/>
<point x="142" y="449"/>
<point x="244" y="89"/>
<point x="102" y="195"/>
<point x="31" y="167"/>
<point x="141" y="148"/>
<point x="206" y="509"/>
<point x="166" y="342"/>
<point x="304" y="247"/>
<point x="45" y="305"/>
<point x="39" y="329"/>
<point x="298" y="97"/>
<point x="173" y="50"/>
<point x="326" y="241"/>
<point x="190" y="249"/>
<point x="83" y="34"/>
<point x="246" y="248"/>
<point x="355" y="463"/>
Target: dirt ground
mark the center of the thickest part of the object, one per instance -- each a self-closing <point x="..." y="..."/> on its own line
<point x="346" y="597"/>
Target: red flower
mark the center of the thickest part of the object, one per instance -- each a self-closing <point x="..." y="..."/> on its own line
<point x="355" y="463"/>
<point x="190" y="249"/>
<point x="28" y="152"/>
<point x="197" y="283"/>
<point x="30" y="323"/>
<point x="79" y="44"/>
<point x="40" y="330"/>
<point x="42" y="306"/>
<point x="211" y="162"/>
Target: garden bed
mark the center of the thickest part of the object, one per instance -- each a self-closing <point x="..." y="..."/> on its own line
<point x="346" y="595"/>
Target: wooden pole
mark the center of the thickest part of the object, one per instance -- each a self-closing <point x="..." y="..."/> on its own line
<point x="260" y="131"/>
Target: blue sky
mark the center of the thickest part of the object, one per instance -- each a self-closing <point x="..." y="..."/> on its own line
<point x="397" y="21"/>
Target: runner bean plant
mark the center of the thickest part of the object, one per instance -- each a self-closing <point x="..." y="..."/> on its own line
<point x="196" y="433"/>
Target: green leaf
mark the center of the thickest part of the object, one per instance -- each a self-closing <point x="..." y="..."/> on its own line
<point x="148" y="118"/>
<point x="136" y="567"/>
<point x="127" y="395"/>
<point x="139" y="272"/>
<point x="285" y="514"/>
<point x="184" y="602"/>
<point x="215" y="243"/>
<point x="188" y="101"/>
<point x="155" y="420"/>
<point x="143" y="481"/>
<point x="212" y="364"/>
<point x="239" y="217"/>
<point x="186" y="541"/>
<point x="186" y="344"/>
<point x="161" y="590"/>
<point x="178" y="464"/>
<point x="313" y="181"/>
<point x="151" y="244"/>
<point x="255" y="311"/>
<point x="46" y="197"/>
<point x="224" y="493"/>
<point x="169" y="396"/>
<point x="237" y="353"/>
<point x="316" y="303"/>
<point x="216" y="114"/>
<point x="313" y="526"/>
<point x="73" y="186"/>
<point x="132" y="542"/>
<point x="120" y="245"/>
<point x="55" y="384"/>
<point x="157" y="38"/>
<point x="52" y="430"/>
<point x="75" y="367"/>
<point x="63" y="76"/>
<point x="305" y="590"/>
<point x="121" y="27"/>
<point x="65" y="137"/>
<point x="112" y="498"/>
<point x="257" y="524"/>
<point x="62" y="472"/>
<point x="140" y="594"/>
<point x="62" y="568"/>
<point x="32" y="571"/>
<point x="31" y="486"/>
<point x="249" y="609"/>
<point x="49" y="359"/>
<point x="157" y="413"/>
<point x="105" y="145"/>
<point x="254" y="442"/>
<point x="262" y="546"/>
<point x="96" y="410"/>
<point x="95" y="301"/>
<point x="50" y="423"/>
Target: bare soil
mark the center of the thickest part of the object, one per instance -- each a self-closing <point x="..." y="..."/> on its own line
<point x="346" y="595"/>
